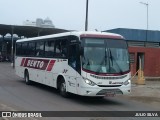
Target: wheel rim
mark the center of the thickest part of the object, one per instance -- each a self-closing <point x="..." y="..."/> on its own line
<point x="63" y="88"/>
<point x="26" y="78"/>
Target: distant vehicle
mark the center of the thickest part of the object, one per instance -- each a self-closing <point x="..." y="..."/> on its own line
<point x="83" y="63"/>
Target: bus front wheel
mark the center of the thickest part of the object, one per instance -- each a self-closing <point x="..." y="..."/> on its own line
<point x="62" y="89"/>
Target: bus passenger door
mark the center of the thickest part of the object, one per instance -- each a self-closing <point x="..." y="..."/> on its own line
<point x="72" y="70"/>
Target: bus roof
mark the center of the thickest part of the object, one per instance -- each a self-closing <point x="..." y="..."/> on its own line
<point x="76" y="33"/>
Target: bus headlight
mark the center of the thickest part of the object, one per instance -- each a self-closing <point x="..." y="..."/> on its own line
<point x="89" y="82"/>
<point x="127" y="82"/>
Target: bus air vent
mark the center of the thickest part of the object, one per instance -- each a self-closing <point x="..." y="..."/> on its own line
<point x="109" y="85"/>
<point x="104" y="91"/>
<point x="108" y="77"/>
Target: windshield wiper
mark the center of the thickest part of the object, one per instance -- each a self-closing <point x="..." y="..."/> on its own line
<point x="112" y="58"/>
<point x="101" y="63"/>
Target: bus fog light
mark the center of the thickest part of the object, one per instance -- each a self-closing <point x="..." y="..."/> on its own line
<point x="88" y="92"/>
<point x="127" y="82"/>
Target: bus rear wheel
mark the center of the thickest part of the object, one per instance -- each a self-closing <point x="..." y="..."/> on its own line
<point x="62" y="89"/>
<point x="26" y="78"/>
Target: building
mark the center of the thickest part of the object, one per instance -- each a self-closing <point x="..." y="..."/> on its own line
<point x="46" y="23"/>
<point x="143" y="45"/>
<point x="29" y="23"/>
<point x="10" y="33"/>
<point x="5" y="47"/>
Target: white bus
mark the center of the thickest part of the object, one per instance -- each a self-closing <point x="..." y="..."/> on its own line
<point x="83" y="63"/>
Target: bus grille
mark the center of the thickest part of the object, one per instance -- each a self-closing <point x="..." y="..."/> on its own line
<point x="105" y="91"/>
<point x="108" y="78"/>
<point x="109" y="85"/>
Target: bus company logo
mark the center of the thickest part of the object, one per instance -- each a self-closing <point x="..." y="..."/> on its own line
<point x="38" y="64"/>
<point x="114" y="83"/>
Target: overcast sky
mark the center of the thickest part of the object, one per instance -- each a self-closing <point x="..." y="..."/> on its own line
<point x="70" y="14"/>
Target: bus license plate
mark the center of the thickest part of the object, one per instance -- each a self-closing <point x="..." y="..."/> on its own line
<point x="110" y="94"/>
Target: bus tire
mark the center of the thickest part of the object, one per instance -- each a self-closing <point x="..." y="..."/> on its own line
<point x="62" y="89"/>
<point x="26" y="78"/>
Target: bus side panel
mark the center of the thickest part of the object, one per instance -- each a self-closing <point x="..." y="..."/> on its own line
<point x="49" y="79"/>
<point x="71" y="80"/>
<point x="69" y="74"/>
<point x="18" y="67"/>
<point x="51" y="75"/>
<point x="32" y="74"/>
<point x="59" y="68"/>
<point x="40" y="76"/>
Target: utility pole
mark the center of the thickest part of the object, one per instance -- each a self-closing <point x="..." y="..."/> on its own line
<point x="12" y="53"/>
<point x="86" y="22"/>
<point x="146" y="4"/>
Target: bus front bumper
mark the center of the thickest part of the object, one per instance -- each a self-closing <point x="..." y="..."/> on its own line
<point x="103" y="91"/>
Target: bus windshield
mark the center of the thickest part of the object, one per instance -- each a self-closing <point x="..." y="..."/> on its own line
<point x="105" y="55"/>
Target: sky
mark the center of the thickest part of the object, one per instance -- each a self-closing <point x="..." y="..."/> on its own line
<point x="70" y="14"/>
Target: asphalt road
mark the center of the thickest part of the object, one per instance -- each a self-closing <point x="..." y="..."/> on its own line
<point x="15" y="95"/>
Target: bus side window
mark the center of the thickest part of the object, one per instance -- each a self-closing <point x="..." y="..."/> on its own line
<point x="61" y="48"/>
<point x="57" y="49"/>
<point x="18" y="49"/>
<point x="72" y="56"/>
<point x="40" y="49"/>
<point x="24" y="48"/>
<point x="31" y="48"/>
<point x="49" y="49"/>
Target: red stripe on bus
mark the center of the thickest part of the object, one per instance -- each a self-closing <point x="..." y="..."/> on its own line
<point x="102" y="36"/>
<point x="22" y="62"/>
<point x="50" y="66"/>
